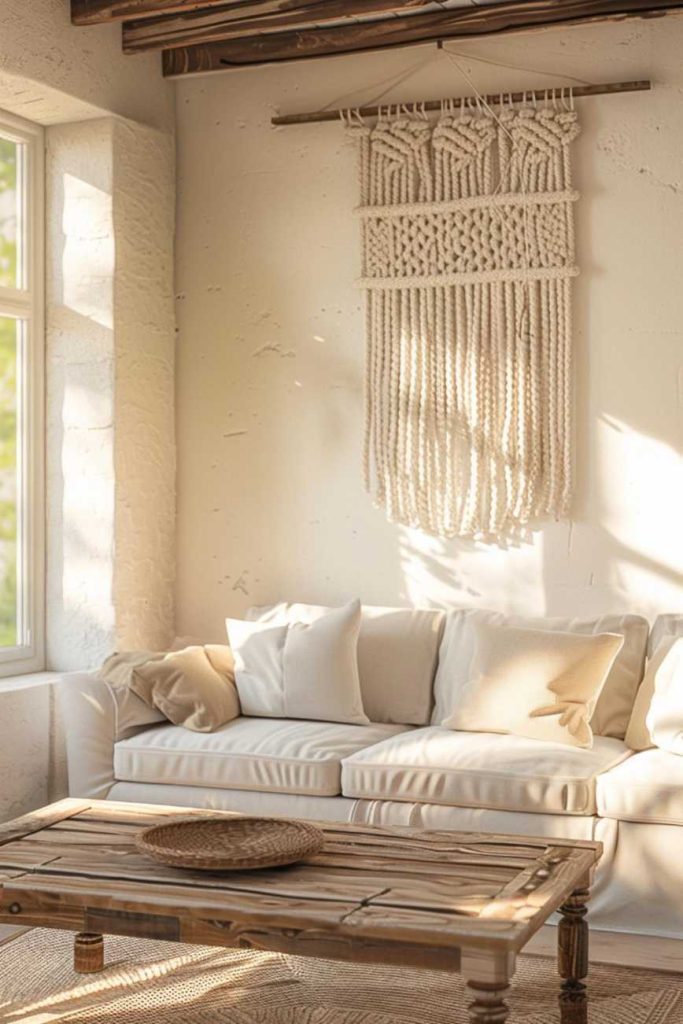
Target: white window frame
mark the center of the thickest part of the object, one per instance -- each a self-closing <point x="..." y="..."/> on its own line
<point x="27" y="303"/>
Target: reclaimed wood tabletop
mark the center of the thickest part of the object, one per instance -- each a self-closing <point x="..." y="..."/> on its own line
<point x="437" y="899"/>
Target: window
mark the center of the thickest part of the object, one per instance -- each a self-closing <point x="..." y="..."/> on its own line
<point x="21" y="396"/>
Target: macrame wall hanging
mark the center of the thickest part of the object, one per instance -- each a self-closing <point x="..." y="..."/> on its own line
<point x="468" y="256"/>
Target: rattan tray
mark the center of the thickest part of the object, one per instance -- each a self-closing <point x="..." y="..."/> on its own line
<point x="230" y="844"/>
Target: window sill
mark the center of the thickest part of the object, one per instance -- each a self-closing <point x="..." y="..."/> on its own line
<point x="10" y="684"/>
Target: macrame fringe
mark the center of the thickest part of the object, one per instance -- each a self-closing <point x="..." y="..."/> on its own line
<point x="468" y="255"/>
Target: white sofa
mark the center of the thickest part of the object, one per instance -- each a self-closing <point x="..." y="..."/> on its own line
<point x="413" y="772"/>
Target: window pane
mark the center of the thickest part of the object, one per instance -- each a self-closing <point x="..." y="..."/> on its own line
<point x="10" y="335"/>
<point x="10" y="214"/>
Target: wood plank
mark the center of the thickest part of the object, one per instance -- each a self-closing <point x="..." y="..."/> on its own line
<point x="189" y="28"/>
<point x="98" y="12"/>
<point x="38" y="897"/>
<point x="349" y="948"/>
<point x="41" y="819"/>
<point x="143" y="875"/>
<point x="115" y="811"/>
<point x="459" y="23"/>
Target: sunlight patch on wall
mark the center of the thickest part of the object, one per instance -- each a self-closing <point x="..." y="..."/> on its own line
<point x="88" y="258"/>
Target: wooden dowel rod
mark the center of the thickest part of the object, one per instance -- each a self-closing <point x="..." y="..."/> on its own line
<point x="609" y="89"/>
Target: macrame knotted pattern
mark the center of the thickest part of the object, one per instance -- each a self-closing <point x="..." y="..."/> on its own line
<point x="467" y="261"/>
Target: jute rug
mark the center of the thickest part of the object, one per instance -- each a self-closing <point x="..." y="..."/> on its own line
<point x="160" y="983"/>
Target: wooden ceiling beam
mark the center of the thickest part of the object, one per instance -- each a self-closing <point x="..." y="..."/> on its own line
<point x="191" y="28"/>
<point x="98" y="12"/>
<point x="356" y="37"/>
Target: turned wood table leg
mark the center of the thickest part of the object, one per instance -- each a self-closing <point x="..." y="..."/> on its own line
<point x="88" y="953"/>
<point x="572" y="940"/>
<point x="488" y="977"/>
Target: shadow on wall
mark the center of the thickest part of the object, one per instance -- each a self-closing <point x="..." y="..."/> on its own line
<point x="624" y="538"/>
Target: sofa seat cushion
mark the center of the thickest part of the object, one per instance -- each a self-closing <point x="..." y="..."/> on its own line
<point x="467" y="769"/>
<point x="269" y="754"/>
<point x="648" y="788"/>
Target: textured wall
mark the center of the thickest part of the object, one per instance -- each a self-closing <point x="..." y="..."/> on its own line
<point x="110" y="429"/>
<point x="270" y="373"/>
<point x="51" y="71"/>
<point x="80" y="355"/>
<point x="144" y="463"/>
<point x="26" y="753"/>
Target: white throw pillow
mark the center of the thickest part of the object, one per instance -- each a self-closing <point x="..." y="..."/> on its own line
<point x="300" y="670"/>
<point x="534" y="683"/>
<point x="614" y="707"/>
<point x="397" y="652"/>
<point x="665" y="717"/>
<point x="638" y="735"/>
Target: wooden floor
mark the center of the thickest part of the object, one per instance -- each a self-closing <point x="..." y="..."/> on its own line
<point x="646" y="951"/>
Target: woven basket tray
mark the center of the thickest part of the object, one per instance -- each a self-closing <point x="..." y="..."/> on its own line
<point x="230" y="844"/>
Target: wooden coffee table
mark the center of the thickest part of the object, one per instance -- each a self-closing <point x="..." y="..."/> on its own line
<point x="449" y="900"/>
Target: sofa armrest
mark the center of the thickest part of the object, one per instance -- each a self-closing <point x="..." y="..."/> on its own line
<point x="95" y="716"/>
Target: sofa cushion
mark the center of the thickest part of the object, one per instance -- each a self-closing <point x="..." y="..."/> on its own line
<point x="269" y="754"/>
<point x="397" y="652"/>
<point x="646" y="788"/>
<point x="306" y="670"/>
<point x="664" y="627"/>
<point x="613" y="709"/>
<point x="194" y="687"/>
<point x="638" y="734"/>
<point x="665" y="717"/>
<point x="534" y="683"/>
<point x="464" y="769"/>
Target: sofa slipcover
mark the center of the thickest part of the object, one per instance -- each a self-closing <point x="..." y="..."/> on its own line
<point x="243" y="801"/>
<point x="467" y="769"/>
<point x="646" y="788"/>
<point x="613" y="709"/>
<point x="266" y="754"/>
<point x="397" y="651"/>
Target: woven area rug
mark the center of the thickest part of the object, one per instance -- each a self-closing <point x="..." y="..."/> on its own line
<point x="161" y="983"/>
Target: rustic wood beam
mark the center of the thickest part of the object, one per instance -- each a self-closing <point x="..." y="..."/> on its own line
<point x="190" y="28"/>
<point x="98" y="12"/>
<point x="463" y="23"/>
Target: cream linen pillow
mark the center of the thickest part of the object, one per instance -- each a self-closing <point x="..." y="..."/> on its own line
<point x="615" y="704"/>
<point x="300" y="670"/>
<point x="665" y="717"/>
<point x="194" y="687"/>
<point x="535" y="683"/>
<point x="638" y="735"/>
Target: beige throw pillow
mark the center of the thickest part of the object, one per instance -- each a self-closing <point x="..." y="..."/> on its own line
<point x="131" y="713"/>
<point x="300" y="670"/>
<point x="535" y="683"/>
<point x="194" y="687"/>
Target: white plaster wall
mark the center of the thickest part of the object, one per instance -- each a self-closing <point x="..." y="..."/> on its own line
<point x="271" y="344"/>
<point x="52" y="71"/>
<point x="110" y="393"/>
<point x="80" y="359"/>
<point x="144" y="409"/>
